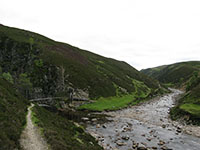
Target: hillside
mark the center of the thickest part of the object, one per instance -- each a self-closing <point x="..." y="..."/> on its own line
<point x="51" y="67"/>
<point x="185" y="75"/>
<point x="174" y="74"/>
<point x="34" y="66"/>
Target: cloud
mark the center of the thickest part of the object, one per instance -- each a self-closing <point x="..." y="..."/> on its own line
<point x="143" y="33"/>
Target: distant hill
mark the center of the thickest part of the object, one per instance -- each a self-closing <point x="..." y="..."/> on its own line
<point x="175" y="74"/>
<point x="41" y="67"/>
<point x="185" y="75"/>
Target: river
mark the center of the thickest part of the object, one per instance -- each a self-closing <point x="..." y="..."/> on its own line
<point x="146" y="126"/>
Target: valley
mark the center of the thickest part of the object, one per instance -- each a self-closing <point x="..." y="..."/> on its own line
<point x="121" y="108"/>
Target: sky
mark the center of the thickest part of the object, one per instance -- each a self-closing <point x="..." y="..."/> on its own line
<point x="144" y="33"/>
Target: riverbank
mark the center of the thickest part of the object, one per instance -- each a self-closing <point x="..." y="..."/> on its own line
<point x="145" y="126"/>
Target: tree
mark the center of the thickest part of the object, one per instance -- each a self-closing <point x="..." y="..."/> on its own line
<point x="7" y="76"/>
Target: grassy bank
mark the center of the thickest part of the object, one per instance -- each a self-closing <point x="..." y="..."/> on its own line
<point x="118" y="102"/>
<point x="193" y="109"/>
<point x="61" y="133"/>
<point x="13" y="108"/>
<point x="112" y="103"/>
<point x="188" y="106"/>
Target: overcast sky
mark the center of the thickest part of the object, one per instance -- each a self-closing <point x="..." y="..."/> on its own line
<point x="144" y="33"/>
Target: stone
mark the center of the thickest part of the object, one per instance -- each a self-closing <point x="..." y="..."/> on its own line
<point x="91" y="143"/>
<point x="135" y="145"/>
<point x="126" y="137"/>
<point x="154" y="147"/>
<point x="101" y="139"/>
<point x="163" y="126"/>
<point x="121" y="144"/>
<point x="98" y="126"/>
<point x="104" y="126"/>
<point x="165" y="148"/>
<point x="94" y="119"/>
<point x="125" y="129"/>
<point x="178" y="130"/>
<point x="145" y="144"/>
<point x="161" y="142"/>
<point x="85" y="119"/>
<point x="141" y="148"/>
<point x="148" y="139"/>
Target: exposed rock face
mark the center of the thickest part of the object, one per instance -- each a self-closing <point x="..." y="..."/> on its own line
<point x="79" y="93"/>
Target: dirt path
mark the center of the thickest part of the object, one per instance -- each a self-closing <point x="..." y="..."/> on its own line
<point x="31" y="138"/>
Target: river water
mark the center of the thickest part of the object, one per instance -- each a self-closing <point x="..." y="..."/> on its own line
<point x="146" y="126"/>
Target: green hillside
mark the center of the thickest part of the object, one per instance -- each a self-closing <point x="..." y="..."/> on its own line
<point x="52" y="67"/>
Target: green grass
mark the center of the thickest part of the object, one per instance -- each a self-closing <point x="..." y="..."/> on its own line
<point x="112" y="103"/>
<point x="34" y="118"/>
<point x="118" y="102"/>
<point x="62" y="133"/>
<point x="193" y="109"/>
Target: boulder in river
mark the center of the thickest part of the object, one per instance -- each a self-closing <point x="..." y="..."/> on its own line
<point x="125" y="137"/>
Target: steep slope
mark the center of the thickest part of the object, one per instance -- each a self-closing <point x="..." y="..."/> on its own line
<point x="175" y="74"/>
<point x="13" y="109"/>
<point x="45" y="67"/>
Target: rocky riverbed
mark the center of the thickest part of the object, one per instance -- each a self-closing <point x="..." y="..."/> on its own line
<point x="146" y="127"/>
